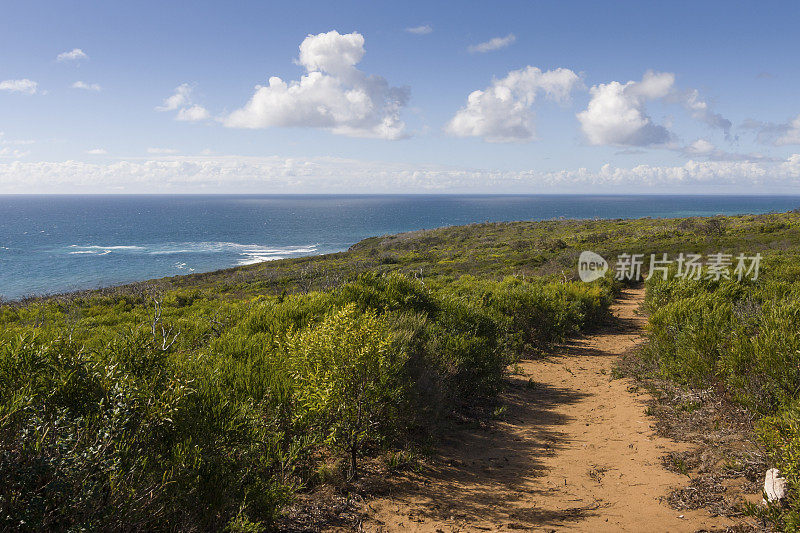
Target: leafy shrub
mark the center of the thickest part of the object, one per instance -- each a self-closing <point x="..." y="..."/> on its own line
<point x="348" y="382"/>
<point x="744" y="338"/>
<point x="179" y="409"/>
<point x="781" y="435"/>
<point x="688" y="335"/>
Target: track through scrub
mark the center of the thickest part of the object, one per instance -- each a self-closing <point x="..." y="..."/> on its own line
<point x="575" y="451"/>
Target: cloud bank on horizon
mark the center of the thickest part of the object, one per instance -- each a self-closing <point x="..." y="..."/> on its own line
<point x="328" y="175"/>
<point x="650" y="130"/>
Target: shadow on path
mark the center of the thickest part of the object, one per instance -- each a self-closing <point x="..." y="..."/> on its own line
<point x="480" y="472"/>
<point x="493" y="476"/>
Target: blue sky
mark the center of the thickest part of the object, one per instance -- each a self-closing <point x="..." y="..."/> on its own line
<point x="690" y="97"/>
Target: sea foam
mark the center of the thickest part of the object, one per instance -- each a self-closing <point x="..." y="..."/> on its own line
<point x="245" y="254"/>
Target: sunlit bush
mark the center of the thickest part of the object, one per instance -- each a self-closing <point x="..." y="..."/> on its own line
<point x="181" y="410"/>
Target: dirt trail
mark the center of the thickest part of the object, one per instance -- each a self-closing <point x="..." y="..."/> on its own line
<point x="575" y="451"/>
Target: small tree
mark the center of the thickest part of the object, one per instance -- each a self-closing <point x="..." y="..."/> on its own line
<point x="348" y="379"/>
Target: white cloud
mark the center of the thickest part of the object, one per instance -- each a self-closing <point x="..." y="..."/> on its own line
<point x="700" y="147"/>
<point x="14" y="142"/>
<point x="502" y="112"/>
<point x="493" y="44"/>
<point x="333" y="94"/>
<point x="705" y="149"/>
<point x="777" y="134"/>
<point x="181" y="100"/>
<point x="783" y="134"/>
<point x="87" y="86"/>
<point x="332" y="53"/>
<point x="73" y="55"/>
<point x="792" y="166"/>
<point x="425" y="29"/>
<point x="12" y="153"/>
<point x="7" y="152"/>
<point x="96" y="151"/>
<point x="616" y="113"/>
<point x="161" y="151"/>
<point x="24" y="86"/>
<point x="791" y="135"/>
<point x="335" y="175"/>
<point x="701" y="111"/>
<point x="193" y="114"/>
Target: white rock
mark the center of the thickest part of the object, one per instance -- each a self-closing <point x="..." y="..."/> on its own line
<point x="774" y="485"/>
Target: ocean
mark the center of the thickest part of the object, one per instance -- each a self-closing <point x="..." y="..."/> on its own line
<point x="51" y="244"/>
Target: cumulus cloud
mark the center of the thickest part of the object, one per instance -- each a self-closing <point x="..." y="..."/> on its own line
<point x="502" y="112"/>
<point x="333" y="94"/>
<point x="73" y="55"/>
<point x="791" y="167"/>
<point x="617" y="112"/>
<point x="700" y="147"/>
<point x="493" y="44"/>
<point x="181" y="100"/>
<point x="87" y="86"/>
<point x="96" y="151"/>
<point x="24" y="86"/>
<point x="420" y="30"/>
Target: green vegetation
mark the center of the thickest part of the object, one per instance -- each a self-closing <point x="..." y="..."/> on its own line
<point x="741" y="339"/>
<point x="206" y="402"/>
<point x="547" y="249"/>
<point x="744" y="339"/>
<point x="182" y="410"/>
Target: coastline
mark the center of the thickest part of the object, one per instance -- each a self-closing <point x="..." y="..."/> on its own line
<point x="377" y="250"/>
<point x="47" y="250"/>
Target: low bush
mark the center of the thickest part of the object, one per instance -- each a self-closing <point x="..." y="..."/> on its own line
<point x="180" y="410"/>
<point x="742" y="338"/>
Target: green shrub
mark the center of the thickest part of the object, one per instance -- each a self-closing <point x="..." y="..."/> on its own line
<point x="349" y="385"/>
<point x="743" y="338"/>
<point x="181" y="409"/>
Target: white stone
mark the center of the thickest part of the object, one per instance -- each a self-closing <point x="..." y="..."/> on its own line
<point x="774" y="485"/>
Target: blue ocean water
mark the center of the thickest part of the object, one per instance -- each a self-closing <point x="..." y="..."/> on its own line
<point x="52" y="244"/>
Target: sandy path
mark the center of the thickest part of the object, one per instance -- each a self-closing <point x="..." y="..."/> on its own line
<point x="574" y="452"/>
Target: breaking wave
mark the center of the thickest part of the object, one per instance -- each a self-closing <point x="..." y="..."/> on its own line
<point x="245" y="254"/>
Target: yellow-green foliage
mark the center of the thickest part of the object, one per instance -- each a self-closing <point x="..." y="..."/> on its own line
<point x="348" y="380"/>
<point x="182" y="410"/>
